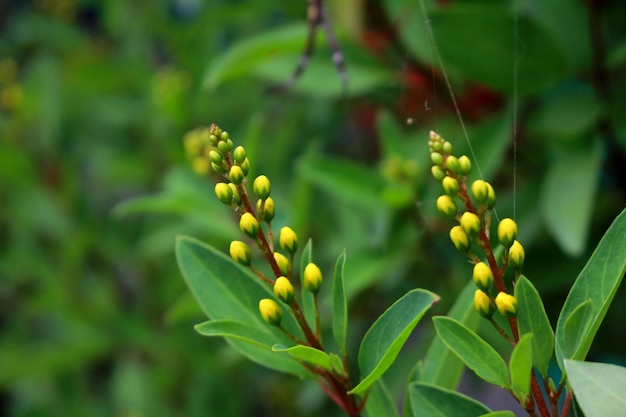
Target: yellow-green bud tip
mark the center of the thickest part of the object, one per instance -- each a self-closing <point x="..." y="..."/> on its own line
<point x="267" y="207"/>
<point x="240" y="252"/>
<point x="261" y="187"/>
<point x="288" y="240"/>
<point x="470" y="223"/>
<point x="507" y="232"/>
<point x="270" y="311"/>
<point x="506" y="304"/>
<point x="460" y="239"/>
<point x="482" y="276"/>
<point x="283" y="290"/>
<point x="224" y="193"/>
<point x="312" y="278"/>
<point x="446" y="205"/>
<point x="249" y="225"/>
<point x="239" y="154"/>
<point x="236" y="174"/>
<point x="452" y="163"/>
<point x="465" y="165"/>
<point x="450" y="185"/>
<point x="438" y="172"/>
<point x="480" y="191"/>
<point x="516" y="255"/>
<point x="483" y="305"/>
<point x="282" y="262"/>
<point x="236" y="197"/>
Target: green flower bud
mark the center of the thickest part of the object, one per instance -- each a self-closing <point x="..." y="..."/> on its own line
<point x="460" y="239"/>
<point x="447" y="147"/>
<point x="245" y="166"/>
<point x="261" y="187"/>
<point x="436" y="158"/>
<point x="218" y="168"/>
<point x="270" y="311"/>
<point x="282" y="262"/>
<point x="229" y="143"/>
<point x="215" y="157"/>
<point x="222" y="147"/>
<point x="236" y="197"/>
<point x="452" y="163"/>
<point x="283" y="290"/>
<point x="312" y="278"/>
<point x="200" y="165"/>
<point x="215" y="130"/>
<point x="506" y="304"/>
<point x="507" y="232"/>
<point x="249" y="225"/>
<point x="268" y="208"/>
<point x="224" y="135"/>
<point x="465" y="165"/>
<point x="438" y="172"/>
<point x="470" y="223"/>
<point x="491" y="197"/>
<point x="482" y="276"/>
<point x="240" y="252"/>
<point x="516" y="255"/>
<point x="436" y="146"/>
<point x="450" y="185"/>
<point x="236" y="174"/>
<point x="288" y="240"/>
<point x="224" y="193"/>
<point x="483" y="304"/>
<point x="480" y="191"/>
<point x="239" y="154"/>
<point x="446" y="205"/>
<point x="213" y="140"/>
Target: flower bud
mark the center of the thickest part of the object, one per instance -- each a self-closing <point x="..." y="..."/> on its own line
<point x="224" y="193"/>
<point x="236" y="174"/>
<point x="240" y="252"/>
<point x="480" y="191"/>
<point x="288" y="240"/>
<point x="261" y="187"/>
<point x="452" y="163"/>
<point x="436" y="146"/>
<point x="268" y="208"/>
<point x="236" y="197"/>
<point x="446" y="147"/>
<point x="283" y="290"/>
<point x="470" y="223"/>
<point x="507" y="232"/>
<point x="465" y="165"/>
<point x="222" y="147"/>
<point x="446" y="205"/>
<point x="491" y="197"/>
<point x="213" y="140"/>
<point x="436" y="158"/>
<point x="483" y="304"/>
<point x="200" y="165"/>
<point x="270" y="311"/>
<point x="482" y="276"/>
<point x="282" y="262"/>
<point x="516" y="255"/>
<point x="239" y="154"/>
<point x="312" y="278"/>
<point x="450" y="185"/>
<point x="215" y="157"/>
<point x="438" y="172"/>
<point x="245" y="166"/>
<point x="218" y="168"/>
<point x="460" y="239"/>
<point x="506" y="304"/>
<point x="249" y="225"/>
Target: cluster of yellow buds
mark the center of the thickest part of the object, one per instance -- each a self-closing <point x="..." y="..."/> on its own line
<point x="212" y="149"/>
<point x="478" y="199"/>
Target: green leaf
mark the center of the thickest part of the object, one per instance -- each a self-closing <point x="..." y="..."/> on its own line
<point x="429" y="400"/>
<point x="473" y="351"/>
<point x="307" y="297"/>
<point x="236" y="330"/>
<point x="532" y="318"/>
<point x="441" y="366"/>
<point x="520" y="366"/>
<point x="307" y="354"/>
<point x="503" y="413"/>
<point x="225" y="290"/>
<point x="380" y="402"/>
<point x="340" y="305"/>
<point x="575" y="327"/>
<point x="383" y="341"/>
<point x="597" y="282"/>
<point x="568" y="214"/>
<point x="598" y="387"/>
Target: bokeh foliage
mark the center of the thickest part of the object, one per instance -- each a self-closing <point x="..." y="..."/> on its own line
<point x="95" y="97"/>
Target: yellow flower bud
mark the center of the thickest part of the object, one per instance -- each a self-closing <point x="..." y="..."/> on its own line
<point x="283" y="263"/>
<point x="452" y="163"/>
<point x="438" y="172"/>
<point x="507" y="232"/>
<point x="261" y="187"/>
<point x="270" y="311"/>
<point x="218" y="168"/>
<point x="215" y="157"/>
<point x="465" y="165"/>
<point x="288" y="240"/>
<point x="483" y="304"/>
<point x="236" y="174"/>
<point x="446" y="205"/>
<point x="249" y="225"/>
<point x="268" y="208"/>
<point x="480" y="191"/>
<point x="312" y="278"/>
<point x="450" y="185"/>
<point x="245" y="166"/>
<point x="283" y="290"/>
<point x="239" y="154"/>
<point x="446" y="147"/>
<point x="460" y="239"/>
<point x="491" y="197"/>
<point x="436" y="158"/>
<point x="482" y="276"/>
<point x="223" y="193"/>
<point x="506" y="304"/>
<point x="236" y="197"/>
<point x="470" y="223"/>
<point x="240" y="252"/>
<point x="516" y="255"/>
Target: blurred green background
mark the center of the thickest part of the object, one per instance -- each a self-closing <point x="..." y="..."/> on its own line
<point x="96" y="96"/>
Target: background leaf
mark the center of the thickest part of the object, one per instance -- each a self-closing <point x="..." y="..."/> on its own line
<point x="598" y="387"/>
<point x="380" y="402"/>
<point x="432" y="401"/>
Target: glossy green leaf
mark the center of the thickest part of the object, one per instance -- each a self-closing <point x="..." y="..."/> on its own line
<point x="477" y="354"/>
<point x="532" y="318"/>
<point x="236" y="330"/>
<point x="307" y="299"/>
<point x="575" y="327"/>
<point x="598" y="387"/>
<point x="383" y="341"/>
<point x="306" y="354"/>
<point x="340" y="305"/>
<point x="429" y="400"/>
<point x="380" y="402"/>
<point x="567" y="215"/>
<point x="225" y="290"/>
<point x="440" y="365"/>
<point x="597" y="282"/>
<point x="503" y="413"/>
<point x="521" y="365"/>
